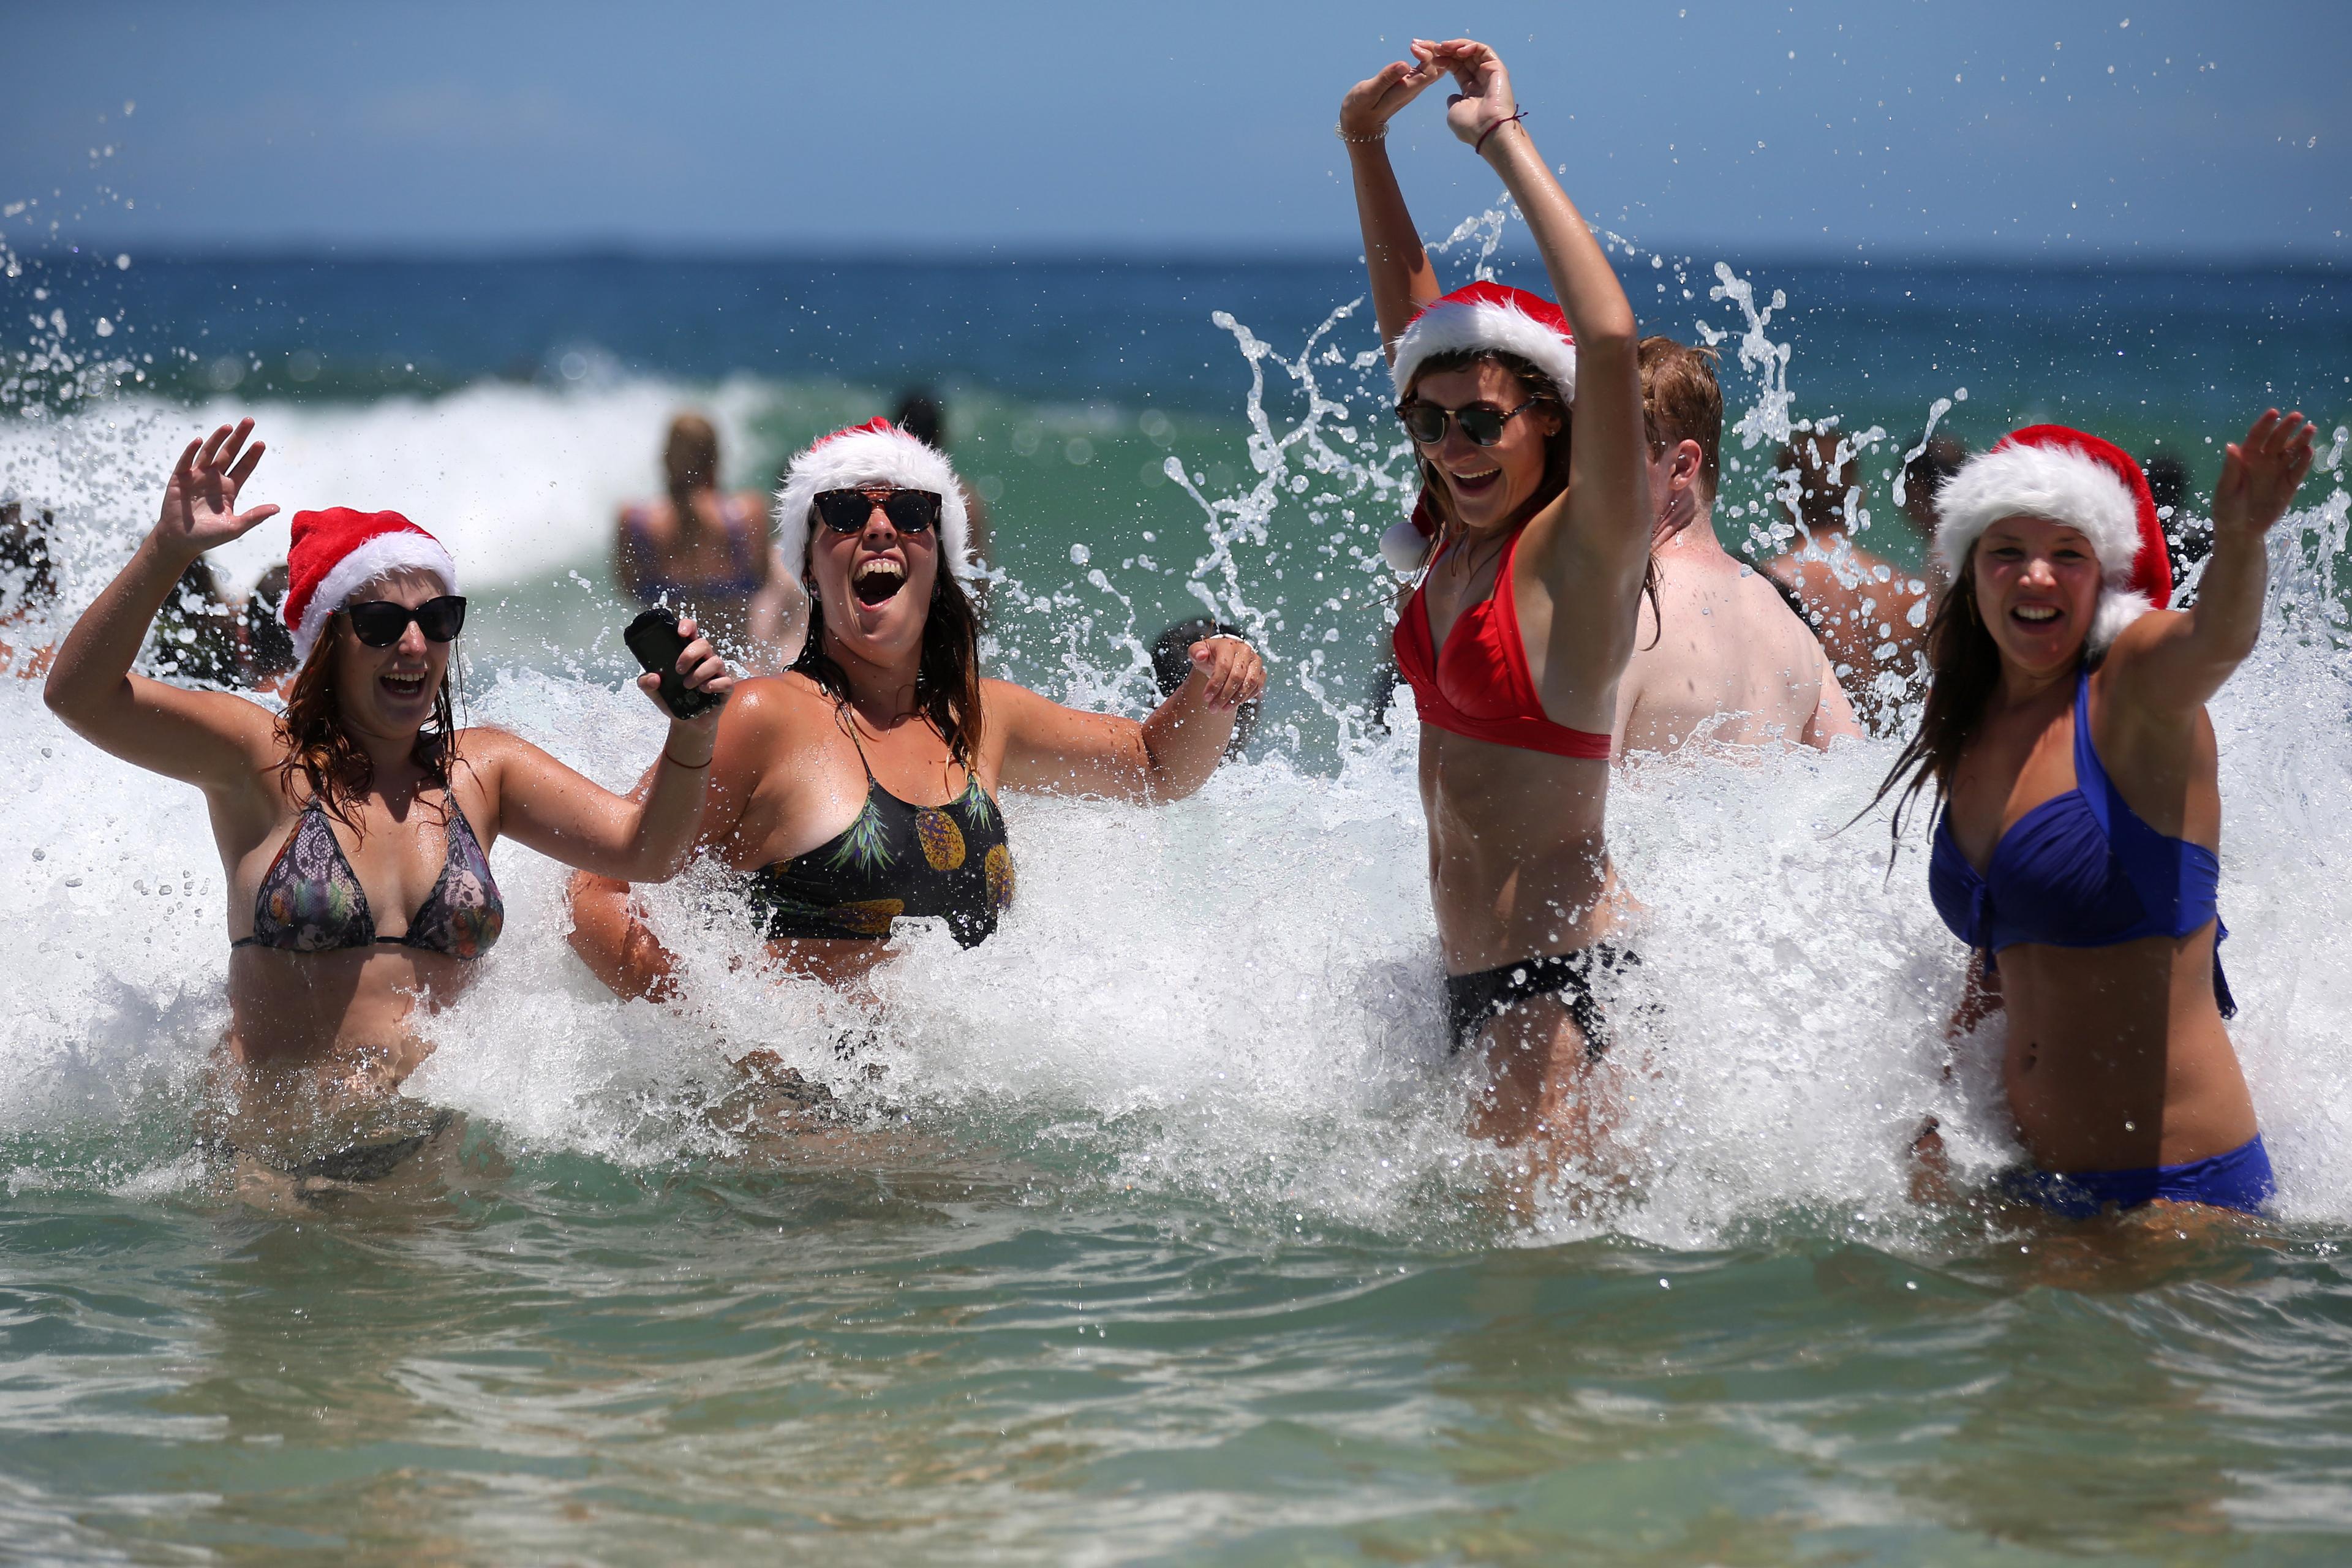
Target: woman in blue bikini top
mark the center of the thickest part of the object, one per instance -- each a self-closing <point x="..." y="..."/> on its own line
<point x="353" y="827"/>
<point x="2066" y="735"/>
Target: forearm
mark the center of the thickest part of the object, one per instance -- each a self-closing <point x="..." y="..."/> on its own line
<point x="669" y="810"/>
<point x="93" y="664"/>
<point x="2226" y="619"/>
<point x="614" y="943"/>
<point x="1586" y="285"/>
<point x="1184" y="740"/>
<point x="1401" y="277"/>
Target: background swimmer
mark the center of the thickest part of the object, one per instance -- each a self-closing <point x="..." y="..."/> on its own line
<point x="697" y="547"/>
<point x="1717" y="656"/>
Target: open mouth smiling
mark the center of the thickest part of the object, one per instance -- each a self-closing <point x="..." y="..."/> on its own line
<point x="876" y="580"/>
<point x="408" y="687"/>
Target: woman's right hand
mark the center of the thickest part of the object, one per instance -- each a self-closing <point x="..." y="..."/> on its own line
<point x="1372" y="103"/>
<point x="200" y="501"/>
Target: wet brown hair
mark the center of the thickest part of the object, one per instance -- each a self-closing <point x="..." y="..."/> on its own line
<point x="1822" y="482"/>
<point x="1963" y="667"/>
<point x="947" y="675"/>
<point x="319" y="747"/>
<point x="1683" y="401"/>
<point x="690" y="461"/>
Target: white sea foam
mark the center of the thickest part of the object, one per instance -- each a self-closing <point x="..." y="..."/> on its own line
<point x="1237" y="996"/>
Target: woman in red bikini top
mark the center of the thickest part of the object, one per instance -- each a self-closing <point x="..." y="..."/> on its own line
<point x="1523" y="620"/>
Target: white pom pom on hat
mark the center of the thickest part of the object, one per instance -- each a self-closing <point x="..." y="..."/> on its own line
<point x="2067" y="475"/>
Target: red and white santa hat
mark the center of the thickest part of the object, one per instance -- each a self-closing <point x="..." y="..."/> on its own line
<point x="2065" y="475"/>
<point x="875" y="452"/>
<point x="338" y="551"/>
<point x="1478" y="316"/>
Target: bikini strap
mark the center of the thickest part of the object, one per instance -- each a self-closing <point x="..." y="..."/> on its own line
<point x="2090" y="774"/>
<point x="849" y="722"/>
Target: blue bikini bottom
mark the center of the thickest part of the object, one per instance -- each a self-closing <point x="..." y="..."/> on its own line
<point x="2239" y="1179"/>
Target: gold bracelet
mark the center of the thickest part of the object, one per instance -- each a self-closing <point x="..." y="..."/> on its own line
<point x="1341" y="132"/>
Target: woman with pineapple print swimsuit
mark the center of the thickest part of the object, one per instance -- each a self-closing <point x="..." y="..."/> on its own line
<point x="859" y="787"/>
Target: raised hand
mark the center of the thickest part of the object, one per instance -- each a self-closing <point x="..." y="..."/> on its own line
<point x="200" y="501"/>
<point x="2261" y="474"/>
<point x="1372" y="103"/>
<point x="1485" y="99"/>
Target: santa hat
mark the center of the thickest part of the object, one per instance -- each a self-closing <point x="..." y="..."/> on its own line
<point x="1478" y="316"/>
<point x="2065" y="475"/>
<point x="338" y="551"/>
<point x="875" y="452"/>
<point x="1489" y="316"/>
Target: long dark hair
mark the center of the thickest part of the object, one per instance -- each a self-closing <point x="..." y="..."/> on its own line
<point x="1544" y="392"/>
<point x="1963" y="667"/>
<point x="319" y="747"/>
<point x="947" y="676"/>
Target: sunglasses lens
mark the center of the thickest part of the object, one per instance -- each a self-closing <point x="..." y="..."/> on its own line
<point x="844" y="512"/>
<point x="1484" y="426"/>
<point x="912" y="511"/>
<point x="378" y="623"/>
<point x="1425" y="422"/>
<point x="442" y="619"/>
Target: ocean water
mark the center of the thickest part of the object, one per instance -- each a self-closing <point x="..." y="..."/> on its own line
<point x="1152" y="1235"/>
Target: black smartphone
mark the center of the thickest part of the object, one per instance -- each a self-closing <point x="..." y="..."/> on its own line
<point x="654" y="638"/>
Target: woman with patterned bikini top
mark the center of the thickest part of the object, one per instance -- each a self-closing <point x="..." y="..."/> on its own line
<point x="860" y="789"/>
<point x="1523" y="620"/>
<point x="353" y="828"/>
<point x="2076" y="852"/>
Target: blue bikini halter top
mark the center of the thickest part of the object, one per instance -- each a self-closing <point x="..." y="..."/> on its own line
<point x="2081" y="869"/>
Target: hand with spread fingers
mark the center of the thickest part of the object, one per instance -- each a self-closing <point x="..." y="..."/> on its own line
<point x="2261" y="474"/>
<point x="1228" y="672"/>
<point x="1371" y="104"/>
<point x="200" y="501"/>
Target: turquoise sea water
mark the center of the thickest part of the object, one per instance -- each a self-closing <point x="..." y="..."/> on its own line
<point x="1153" y="1238"/>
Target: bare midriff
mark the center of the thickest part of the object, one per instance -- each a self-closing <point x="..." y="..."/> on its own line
<point x="839" y="963"/>
<point x="318" y="1044"/>
<point x="2116" y="1058"/>
<point x="1518" y="866"/>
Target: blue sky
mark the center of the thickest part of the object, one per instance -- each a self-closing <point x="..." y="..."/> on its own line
<point x="1892" y="128"/>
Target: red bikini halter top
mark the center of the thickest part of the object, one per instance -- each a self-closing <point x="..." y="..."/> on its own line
<point x="1479" y="685"/>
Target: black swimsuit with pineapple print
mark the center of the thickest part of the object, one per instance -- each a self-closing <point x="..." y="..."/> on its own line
<point x="947" y="862"/>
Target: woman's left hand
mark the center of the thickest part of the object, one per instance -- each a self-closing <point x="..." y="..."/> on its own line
<point x="2261" y="474"/>
<point x="1229" y="670"/>
<point x="704" y="670"/>
<point x="1485" y="99"/>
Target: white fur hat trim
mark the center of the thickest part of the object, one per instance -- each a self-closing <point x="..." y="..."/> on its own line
<point x="876" y="453"/>
<point x="1453" y="325"/>
<point x="2058" y="484"/>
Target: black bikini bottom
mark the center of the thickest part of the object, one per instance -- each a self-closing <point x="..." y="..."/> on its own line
<point x="1472" y="1001"/>
<point x="361" y="1162"/>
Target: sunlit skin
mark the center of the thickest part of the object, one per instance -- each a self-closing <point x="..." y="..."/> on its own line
<point x="789" y="777"/>
<point x="323" y="1035"/>
<point x="1518" y="866"/>
<point x="1730" y="666"/>
<point x="2116" y="1058"/>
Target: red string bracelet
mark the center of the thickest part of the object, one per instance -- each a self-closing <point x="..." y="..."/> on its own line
<point x="689" y="767"/>
<point x="1479" y="145"/>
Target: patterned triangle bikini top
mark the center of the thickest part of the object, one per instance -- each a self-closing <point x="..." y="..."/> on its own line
<point x="310" y="901"/>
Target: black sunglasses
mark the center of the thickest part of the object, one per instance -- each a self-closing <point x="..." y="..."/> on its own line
<point x="1481" y="423"/>
<point x="379" y="622"/>
<point x="909" y="511"/>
